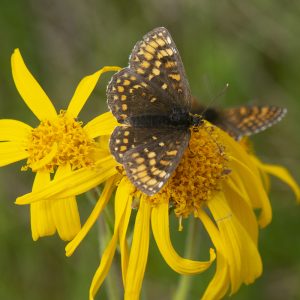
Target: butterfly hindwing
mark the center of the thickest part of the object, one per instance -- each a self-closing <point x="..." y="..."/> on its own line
<point x="149" y="157"/>
<point x="154" y="83"/>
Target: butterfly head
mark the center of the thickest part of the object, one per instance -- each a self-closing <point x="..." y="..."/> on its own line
<point x="195" y="120"/>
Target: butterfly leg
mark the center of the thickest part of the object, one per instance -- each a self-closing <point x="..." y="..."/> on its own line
<point x="192" y="154"/>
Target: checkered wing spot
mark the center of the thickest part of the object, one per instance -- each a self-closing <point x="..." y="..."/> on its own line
<point x="154" y="83"/>
<point x="149" y="157"/>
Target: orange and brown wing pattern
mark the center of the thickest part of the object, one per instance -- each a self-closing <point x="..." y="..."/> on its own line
<point x="130" y="95"/>
<point x="157" y="59"/>
<point x="149" y="157"/>
<point x="248" y="120"/>
<point x="154" y="83"/>
<point x="241" y="121"/>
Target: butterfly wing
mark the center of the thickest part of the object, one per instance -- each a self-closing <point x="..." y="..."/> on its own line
<point x="154" y="83"/>
<point x="248" y="120"/>
<point x="241" y="121"/>
<point x="149" y="157"/>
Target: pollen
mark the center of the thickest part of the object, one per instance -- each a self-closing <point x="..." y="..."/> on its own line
<point x="59" y="142"/>
<point x="199" y="174"/>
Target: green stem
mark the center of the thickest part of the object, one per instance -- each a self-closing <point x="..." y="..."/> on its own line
<point x="112" y="279"/>
<point x="185" y="281"/>
<point x="104" y="235"/>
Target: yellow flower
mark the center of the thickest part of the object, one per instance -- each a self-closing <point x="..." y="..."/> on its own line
<point x="59" y="144"/>
<point x="217" y="182"/>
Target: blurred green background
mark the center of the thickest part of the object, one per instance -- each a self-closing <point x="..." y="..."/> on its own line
<point x="252" y="45"/>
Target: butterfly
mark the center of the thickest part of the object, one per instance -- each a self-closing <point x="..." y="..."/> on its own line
<point x="152" y="101"/>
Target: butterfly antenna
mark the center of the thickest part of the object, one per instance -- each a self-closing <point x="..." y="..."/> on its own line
<point x="221" y="93"/>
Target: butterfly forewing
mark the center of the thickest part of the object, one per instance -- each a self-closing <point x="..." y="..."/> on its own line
<point x="149" y="157"/>
<point x="154" y="83"/>
<point x="130" y="95"/>
<point x="157" y="59"/>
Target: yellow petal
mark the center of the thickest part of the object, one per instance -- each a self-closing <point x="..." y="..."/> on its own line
<point x="241" y="208"/>
<point x="11" y="152"/>
<point x="220" y="283"/>
<point x="231" y="243"/>
<point x="265" y="176"/>
<point x="123" y="202"/>
<point x="123" y="243"/>
<point x="101" y="125"/>
<point x="84" y="89"/>
<point x="42" y="223"/>
<point x="65" y="211"/>
<point x="73" y="184"/>
<point x="284" y="175"/>
<point x="239" y="249"/>
<point x="239" y="154"/>
<point x="30" y="90"/>
<point x="138" y="252"/>
<point x="161" y="232"/>
<point x="251" y="260"/>
<point x="13" y="130"/>
<point x="104" y="266"/>
<point x="255" y="190"/>
<point x="101" y="203"/>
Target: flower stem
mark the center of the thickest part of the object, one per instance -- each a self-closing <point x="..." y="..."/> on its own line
<point x="112" y="279"/>
<point x="104" y="236"/>
<point x="185" y="281"/>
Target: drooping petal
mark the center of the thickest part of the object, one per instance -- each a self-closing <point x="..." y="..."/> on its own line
<point x="138" y="252"/>
<point x="30" y="90"/>
<point x="238" y="154"/>
<point x="65" y="211"/>
<point x="123" y="202"/>
<point x="284" y="175"/>
<point x="251" y="260"/>
<point x="11" y="152"/>
<point x="13" y="130"/>
<point x="265" y="176"/>
<point x="73" y="184"/>
<point x="104" y="266"/>
<point x="123" y="243"/>
<point x="255" y="190"/>
<point x="239" y="249"/>
<point x="42" y="222"/>
<point x="220" y="283"/>
<point x="85" y="88"/>
<point x="231" y="243"/>
<point x="100" y="205"/>
<point x="241" y="208"/>
<point x="101" y="125"/>
<point x="161" y="232"/>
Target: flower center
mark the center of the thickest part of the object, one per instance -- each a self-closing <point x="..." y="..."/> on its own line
<point x="59" y="142"/>
<point x="199" y="173"/>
